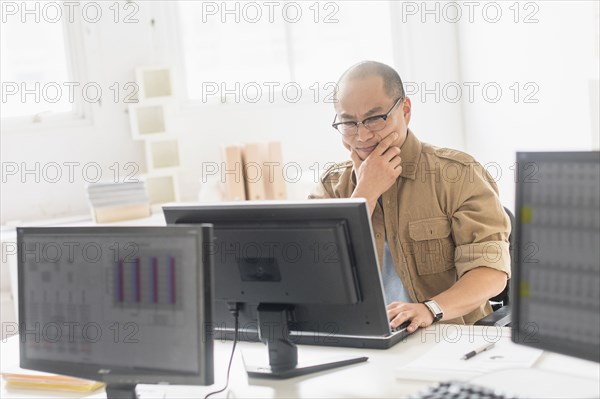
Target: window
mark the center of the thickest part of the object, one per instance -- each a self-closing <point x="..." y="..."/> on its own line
<point x="266" y="43"/>
<point x="34" y="69"/>
<point x="326" y="49"/>
<point x="229" y="52"/>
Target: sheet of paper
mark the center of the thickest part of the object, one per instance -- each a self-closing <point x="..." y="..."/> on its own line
<point x="444" y="360"/>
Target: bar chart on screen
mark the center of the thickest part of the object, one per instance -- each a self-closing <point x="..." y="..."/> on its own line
<point x="150" y="281"/>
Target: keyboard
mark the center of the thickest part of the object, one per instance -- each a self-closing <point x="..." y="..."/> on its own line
<point x="401" y="326"/>
<point x="460" y="390"/>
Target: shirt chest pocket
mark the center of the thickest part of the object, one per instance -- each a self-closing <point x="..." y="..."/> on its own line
<point x="432" y="247"/>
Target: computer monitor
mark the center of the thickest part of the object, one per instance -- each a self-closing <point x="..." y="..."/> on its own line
<point x="556" y="282"/>
<point x="312" y="264"/>
<point x="122" y="305"/>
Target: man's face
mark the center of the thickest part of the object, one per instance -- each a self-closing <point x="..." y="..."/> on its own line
<point x="359" y="99"/>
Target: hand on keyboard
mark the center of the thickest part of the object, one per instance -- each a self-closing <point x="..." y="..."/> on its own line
<point x="401" y="326"/>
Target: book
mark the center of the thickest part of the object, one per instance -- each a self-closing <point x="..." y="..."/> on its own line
<point x="232" y="175"/>
<point x="115" y="201"/>
<point x="109" y="214"/>
<point x="253" y="158"/>
<point x="254" y="171"/>
<point x="275" y="181"/>
<point x="30" y="379"/>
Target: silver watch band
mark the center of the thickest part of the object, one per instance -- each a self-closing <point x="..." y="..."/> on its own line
<point x="435" y="309"/>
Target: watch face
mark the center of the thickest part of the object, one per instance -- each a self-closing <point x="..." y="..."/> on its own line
<point x="435" y="307"/>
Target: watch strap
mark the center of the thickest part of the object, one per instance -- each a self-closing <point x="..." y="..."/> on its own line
<point x="432" y="305"/>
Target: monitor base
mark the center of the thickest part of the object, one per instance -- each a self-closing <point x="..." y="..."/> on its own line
<point x="300" y="369"/>
<point x="120" y="391"/>
<point x="283" y="353"/>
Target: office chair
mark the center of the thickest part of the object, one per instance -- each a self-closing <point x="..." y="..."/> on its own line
<point x="500" y="317"/>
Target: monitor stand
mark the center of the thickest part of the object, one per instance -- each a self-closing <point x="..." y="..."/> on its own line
<point x="283" y="353"/>
<point x="120" y="391"/>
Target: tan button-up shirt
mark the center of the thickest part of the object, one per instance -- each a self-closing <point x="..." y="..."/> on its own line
<point x="442" y="217"/>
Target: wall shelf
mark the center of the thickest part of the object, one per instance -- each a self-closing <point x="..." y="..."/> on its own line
<point x="154" y="82"/>
<point x="162" y="188"/>
<point x="162" y="154"/>
<point x="148" y="121"/>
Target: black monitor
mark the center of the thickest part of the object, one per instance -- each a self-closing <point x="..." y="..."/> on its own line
<point x="122" y="305"/>
<point x="556" y="282"/>
<point x="309" y="267"/>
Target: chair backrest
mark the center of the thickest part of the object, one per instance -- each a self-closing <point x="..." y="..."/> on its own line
<point x="504" y="295"/>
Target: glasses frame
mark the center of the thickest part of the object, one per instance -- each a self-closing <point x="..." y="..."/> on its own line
<point x="365" y="121"/>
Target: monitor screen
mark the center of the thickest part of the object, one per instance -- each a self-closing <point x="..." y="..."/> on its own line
<point x="317" y="255"/>
<point x="556" y="283"/>
<point x="116" y="304"/>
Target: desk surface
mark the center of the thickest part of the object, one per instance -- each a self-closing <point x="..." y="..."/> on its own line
<point x="378" y="377"/>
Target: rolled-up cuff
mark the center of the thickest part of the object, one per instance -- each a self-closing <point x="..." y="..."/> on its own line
<point x="492" y="254"/>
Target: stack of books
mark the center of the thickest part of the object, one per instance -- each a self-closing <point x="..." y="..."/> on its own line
<point x="115" y="201"/>
<point x="254" y="171"/>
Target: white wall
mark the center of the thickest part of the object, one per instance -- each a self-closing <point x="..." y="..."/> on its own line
<point x="110" y="53"/>
<point x="433" y="120"/>
<point x="425" y="53"/>
<point x="559" y="54"/>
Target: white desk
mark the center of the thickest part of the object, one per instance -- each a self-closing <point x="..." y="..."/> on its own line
<point x="377" y="377"/>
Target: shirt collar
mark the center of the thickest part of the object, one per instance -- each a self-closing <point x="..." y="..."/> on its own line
<point x="411" y="152"/>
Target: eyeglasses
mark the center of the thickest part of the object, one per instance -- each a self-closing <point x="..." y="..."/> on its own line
<point x="373" y="123"/>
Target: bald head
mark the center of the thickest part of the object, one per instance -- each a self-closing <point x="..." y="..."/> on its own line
<point x="391" y="80"/>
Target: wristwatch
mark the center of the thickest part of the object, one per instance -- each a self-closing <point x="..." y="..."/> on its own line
<point x="435" y="309"/>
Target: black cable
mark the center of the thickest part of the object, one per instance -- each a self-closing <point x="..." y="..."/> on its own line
<point x="234" y="309"/>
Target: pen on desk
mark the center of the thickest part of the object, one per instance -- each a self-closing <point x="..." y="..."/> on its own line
<point x="477" y="351"/>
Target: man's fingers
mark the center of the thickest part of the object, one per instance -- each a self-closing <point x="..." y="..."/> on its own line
<point x="391" y="313"/>
<point x="395" y="305"/>
<point x="394" y="308"/>
<point x="385" y="143"/>
<point x="403" y="317"/>
<point x="413" y="326"/>
<point x="400" y="312"/>
<point x="400" y="318"/>
<point x="392" y="152"/>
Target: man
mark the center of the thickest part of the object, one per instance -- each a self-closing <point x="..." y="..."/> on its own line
<point x="440" y="229"/>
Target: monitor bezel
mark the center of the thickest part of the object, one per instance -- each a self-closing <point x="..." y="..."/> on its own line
<point x="112" y="374"/>
<point x="354" y="212"/>
<point x="521" y="331"/>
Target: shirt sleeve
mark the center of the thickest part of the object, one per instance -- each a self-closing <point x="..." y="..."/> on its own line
<point x="480" y="226"/>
